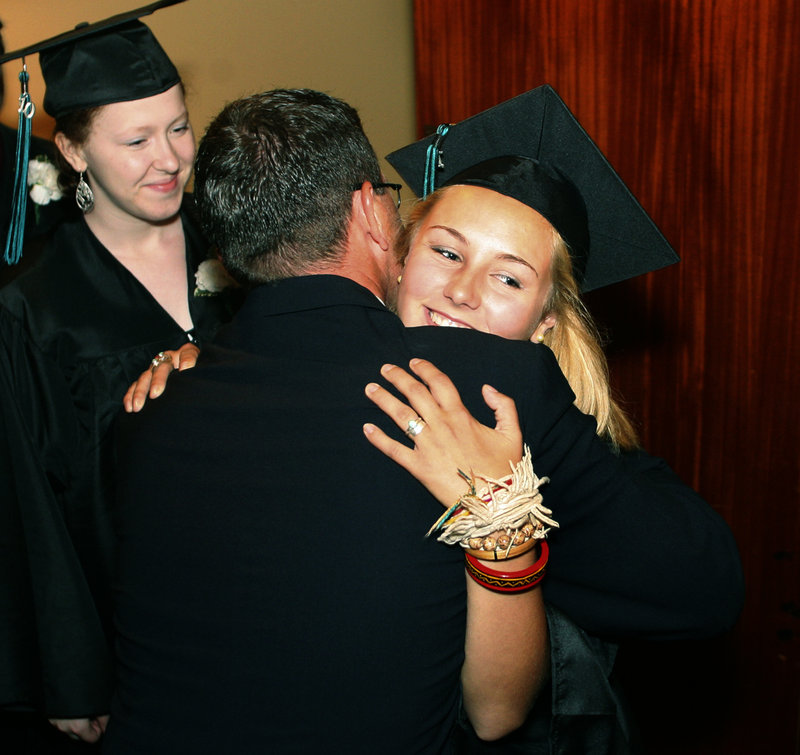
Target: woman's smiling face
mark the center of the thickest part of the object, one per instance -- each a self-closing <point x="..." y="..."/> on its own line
<point x="138" y="156"/>
<point x="478" y="260"/>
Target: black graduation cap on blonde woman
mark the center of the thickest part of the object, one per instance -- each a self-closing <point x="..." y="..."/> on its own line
<point x="114" y="60"/>
<point x="533" y="149"/>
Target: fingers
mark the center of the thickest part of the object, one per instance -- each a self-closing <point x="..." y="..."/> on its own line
<point x="158" y="380"/>
<point x="90" y="733"/>
<point x="137" y="394"/>
<point x="89" y="730"/>
<point x="392" y="406"/>
<point x="422" y="402"/>
<point x="429" y="395"/>
<point x="399" y="453"/>
<point x="186" y="357"/>
<point x="452" y="439"/>
<point x="127" y="399"/>
<point x="152" y="382"/>
<point x="505" y="413"/>
<point x="439" y="384"/>
<point x="100" y="723"/>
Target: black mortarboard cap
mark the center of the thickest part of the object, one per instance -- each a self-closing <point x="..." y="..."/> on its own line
<point x="114" y="60"/>
<point x="533" y="149"/>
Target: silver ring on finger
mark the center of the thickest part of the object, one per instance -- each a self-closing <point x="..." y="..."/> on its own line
<point x="415" y="427"/>
<point x="160" y="358"/>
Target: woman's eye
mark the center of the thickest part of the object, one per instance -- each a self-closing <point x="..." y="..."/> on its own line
<point x="446" y="253"/>
<point x="136" y="143"/>
<point x="509" y="280"/>
<point x="181" y="129"/>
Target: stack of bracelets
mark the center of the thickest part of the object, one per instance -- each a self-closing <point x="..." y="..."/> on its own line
<point x="505" y="519"/>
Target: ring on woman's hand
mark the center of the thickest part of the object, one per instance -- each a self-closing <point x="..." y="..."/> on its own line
<point x="415" y="427"/>
<point x="160" y="358"/>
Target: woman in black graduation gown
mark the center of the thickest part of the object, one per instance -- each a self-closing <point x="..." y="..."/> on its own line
<point x="132" y="277"/>
<point x="526" y="216"/>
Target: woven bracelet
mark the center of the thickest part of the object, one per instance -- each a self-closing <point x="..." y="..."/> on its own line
<point x="499" y="581"/>
<point x="499" y="519"/>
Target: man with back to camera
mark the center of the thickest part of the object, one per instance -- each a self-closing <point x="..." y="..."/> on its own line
<point x="276" y="592"/>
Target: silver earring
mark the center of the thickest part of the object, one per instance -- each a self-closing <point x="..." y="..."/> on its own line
<point x="84" y="196"/>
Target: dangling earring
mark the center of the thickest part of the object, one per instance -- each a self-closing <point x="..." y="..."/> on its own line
<point x="84" y="196"/>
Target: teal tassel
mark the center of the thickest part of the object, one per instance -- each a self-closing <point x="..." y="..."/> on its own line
<point x="433" y="160"/>
<point x="16" y="228"/>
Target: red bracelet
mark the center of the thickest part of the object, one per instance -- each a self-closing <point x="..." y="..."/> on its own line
<point x="501" y="581"/>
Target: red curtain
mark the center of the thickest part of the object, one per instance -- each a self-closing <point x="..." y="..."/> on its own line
<point x="694" y="102"/>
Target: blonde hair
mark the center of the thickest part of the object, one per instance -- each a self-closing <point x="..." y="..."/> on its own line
<point x="576" y="343"/>
<point x="574" y="339"/>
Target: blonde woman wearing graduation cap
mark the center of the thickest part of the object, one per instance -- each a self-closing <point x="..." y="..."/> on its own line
<point x="586" y="231"/>
<point x="522" y="214"/>
<point x="128" y="278"/>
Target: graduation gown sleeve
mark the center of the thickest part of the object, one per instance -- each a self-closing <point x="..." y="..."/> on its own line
<point x="75" y="331"/>
<point x="55" y="654"/>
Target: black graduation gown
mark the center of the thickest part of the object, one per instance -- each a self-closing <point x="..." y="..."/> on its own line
<point x="75" y="331"/>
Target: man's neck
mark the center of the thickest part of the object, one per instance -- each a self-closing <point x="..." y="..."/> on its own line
<point x="360" y="268"/>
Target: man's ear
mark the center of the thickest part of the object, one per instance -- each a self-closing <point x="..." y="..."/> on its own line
<point x="73" y="154"/>
<point x="379" y="221"/>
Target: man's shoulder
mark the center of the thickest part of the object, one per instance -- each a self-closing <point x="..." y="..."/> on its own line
<point x="527" y="372"/>
<point x="467" y="351"/>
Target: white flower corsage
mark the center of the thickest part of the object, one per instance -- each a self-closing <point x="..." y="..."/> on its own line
<point x="43" y="180"/>
<point x="212" y="278"/>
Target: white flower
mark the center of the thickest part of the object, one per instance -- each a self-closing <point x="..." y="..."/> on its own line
<point x="43" y="180"/>
<point x="211" y="278"/>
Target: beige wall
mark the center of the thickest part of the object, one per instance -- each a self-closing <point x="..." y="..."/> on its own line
<point x="359" y="50"/>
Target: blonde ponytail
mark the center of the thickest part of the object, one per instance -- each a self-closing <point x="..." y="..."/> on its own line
<point x="576" y="344"/>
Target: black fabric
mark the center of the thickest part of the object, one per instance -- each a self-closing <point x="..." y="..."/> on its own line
<point x="279" y="596"/>
<point x="75" y="331"/>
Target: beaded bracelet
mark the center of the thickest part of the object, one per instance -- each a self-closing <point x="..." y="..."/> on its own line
<point x="500" y="581"/>
<point x="500" y="552"/>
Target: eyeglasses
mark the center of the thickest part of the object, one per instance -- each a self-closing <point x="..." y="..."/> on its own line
<point x="394" y="187"/>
